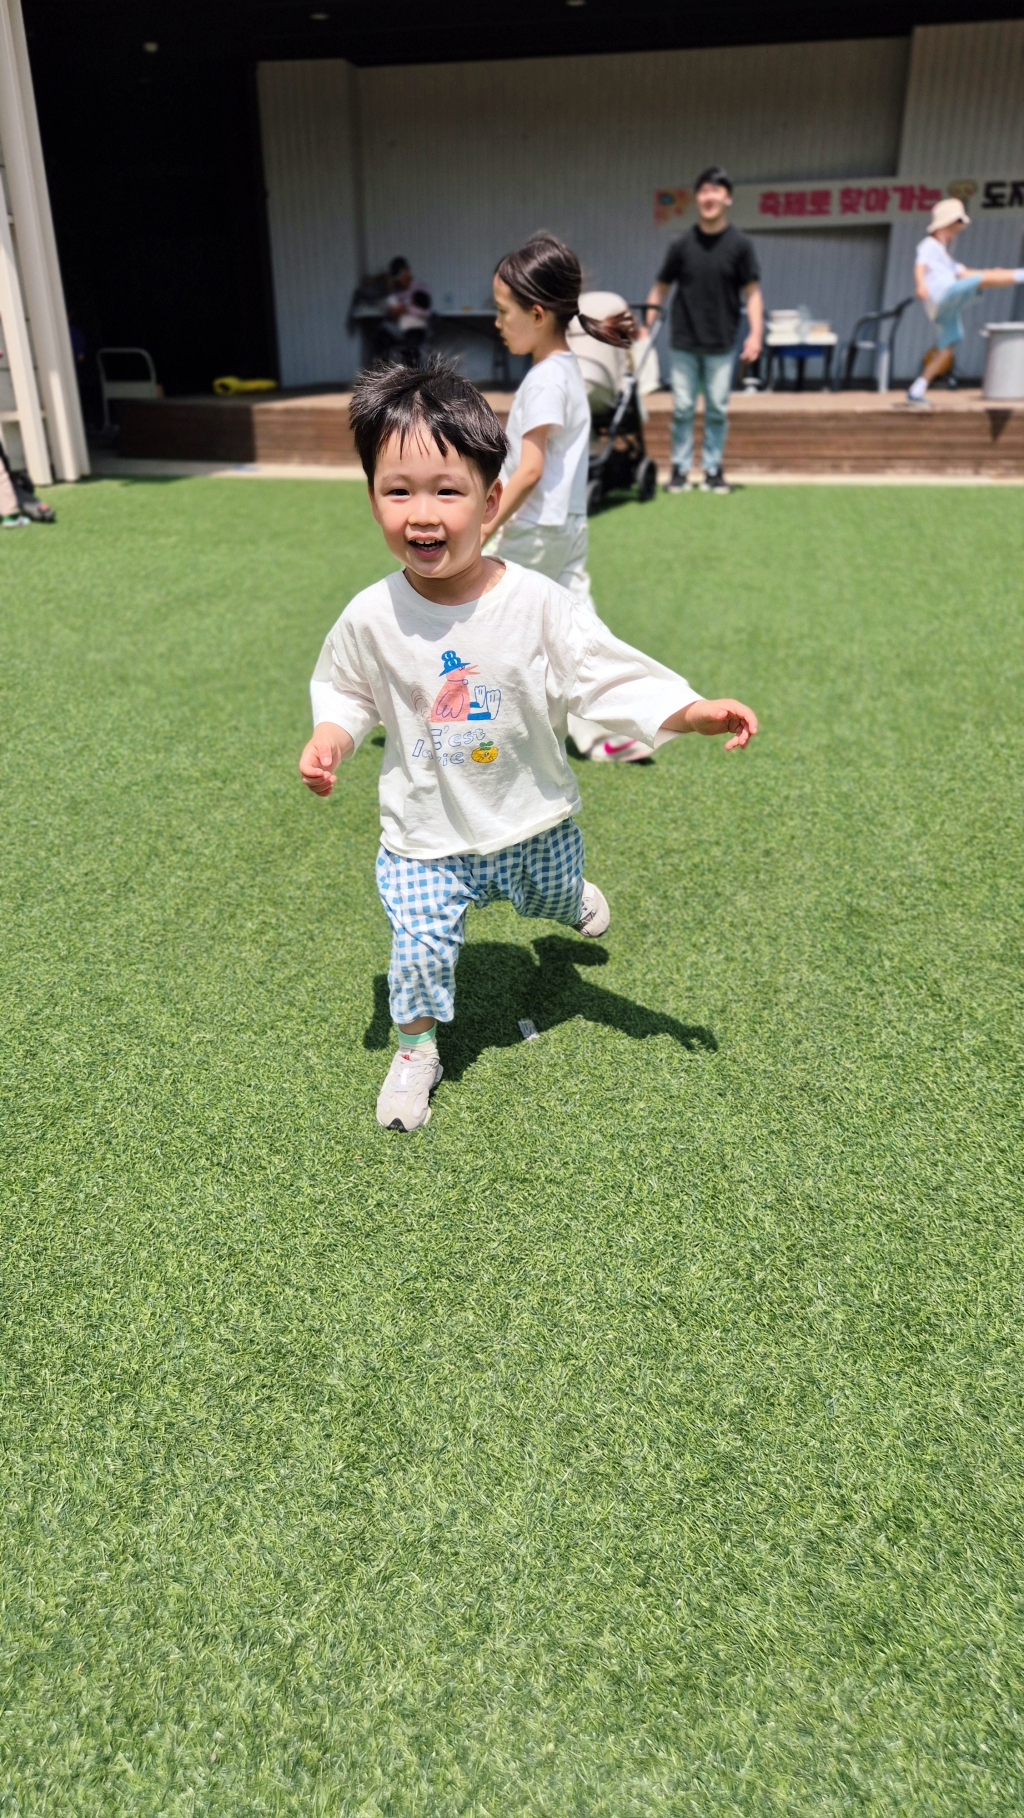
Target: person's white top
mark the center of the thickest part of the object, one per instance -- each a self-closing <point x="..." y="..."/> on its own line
<point x="474" y="701"/>
<point x="552" y="392"/>
<point x="414" y="315"/>
<point x="940" y="270"/>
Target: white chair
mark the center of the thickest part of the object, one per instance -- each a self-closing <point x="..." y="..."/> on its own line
<point x="124" y="388"/>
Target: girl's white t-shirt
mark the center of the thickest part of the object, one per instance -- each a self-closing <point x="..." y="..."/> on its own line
<point x="475" y="699"/>
<point x="552" y="392"/>
<point x="941" y="270"/>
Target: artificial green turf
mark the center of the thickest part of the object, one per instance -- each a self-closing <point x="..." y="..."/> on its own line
<point x="642" y="1439"/>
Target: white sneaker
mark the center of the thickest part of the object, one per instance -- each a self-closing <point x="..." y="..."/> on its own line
<point x="404" y="1099"/>
<point x="595" y="914"/>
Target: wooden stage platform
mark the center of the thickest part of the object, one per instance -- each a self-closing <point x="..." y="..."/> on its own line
<point x="853" y="432"/>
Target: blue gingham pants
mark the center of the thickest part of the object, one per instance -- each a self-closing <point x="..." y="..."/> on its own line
<point x="426" y="902"/>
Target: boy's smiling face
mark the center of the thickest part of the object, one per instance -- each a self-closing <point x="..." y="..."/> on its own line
<point x="434" y="510"/>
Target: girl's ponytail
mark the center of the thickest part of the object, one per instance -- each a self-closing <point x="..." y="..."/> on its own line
<point x="545" y="272"/>
<point x="614" y="331"/>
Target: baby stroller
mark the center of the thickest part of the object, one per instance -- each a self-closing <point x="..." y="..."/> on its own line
<point x="617" y="379"/>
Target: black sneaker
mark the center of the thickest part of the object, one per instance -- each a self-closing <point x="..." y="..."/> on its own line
<point x="715" y="482"/>
<point x="678" y="481"/>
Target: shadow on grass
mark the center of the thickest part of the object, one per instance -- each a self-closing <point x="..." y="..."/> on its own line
<point x="498" y="982"/>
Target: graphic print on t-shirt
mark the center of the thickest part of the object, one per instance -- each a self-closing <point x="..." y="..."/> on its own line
<point x="454" y="701"/>
<point x="459" y="702"/>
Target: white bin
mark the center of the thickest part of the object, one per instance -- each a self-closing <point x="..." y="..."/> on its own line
<point x="1004" y="360"/>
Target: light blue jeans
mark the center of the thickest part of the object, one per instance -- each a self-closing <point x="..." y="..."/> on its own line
<point x="693" y="373"/>
<point x="948" y="326"/>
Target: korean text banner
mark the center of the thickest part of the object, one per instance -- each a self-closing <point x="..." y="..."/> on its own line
<point x="850" y="201"/>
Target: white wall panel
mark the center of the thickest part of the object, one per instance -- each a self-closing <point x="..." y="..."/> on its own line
<point x="310" y="161"/>
<point x="462" y="161"/>
<point x="579" y="145"/>
<point x="965" y="110"/>
<point x="965" y="97"/>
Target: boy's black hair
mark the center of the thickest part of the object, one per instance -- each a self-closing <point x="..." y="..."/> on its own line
<point x="398" y="264"/>
<point x="714" y="174"/>
<point x="434" y="401"/>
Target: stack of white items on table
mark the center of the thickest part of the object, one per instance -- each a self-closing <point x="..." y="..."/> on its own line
<point x="606" y="369"/>
<point x="795" y="328"/>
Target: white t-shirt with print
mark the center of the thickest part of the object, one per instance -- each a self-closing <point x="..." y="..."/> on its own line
<point x="474" y="701"/>
<point x="940" y="270"/>
<point x="552" y="392"/>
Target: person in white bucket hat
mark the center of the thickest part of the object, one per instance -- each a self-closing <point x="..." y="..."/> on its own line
<point x="944" y="286"/>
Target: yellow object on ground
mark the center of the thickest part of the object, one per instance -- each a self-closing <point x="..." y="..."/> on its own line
<point x="226" y="388"/>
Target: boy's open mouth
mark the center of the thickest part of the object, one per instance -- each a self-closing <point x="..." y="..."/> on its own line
<point x="426" y="545"/>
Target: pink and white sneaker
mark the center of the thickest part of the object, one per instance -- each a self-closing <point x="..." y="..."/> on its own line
<point x="404" y="1099"/>
<point x="618" y="751"/>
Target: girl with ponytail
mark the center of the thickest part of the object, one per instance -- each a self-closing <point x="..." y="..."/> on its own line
<point x="542" y="523"/>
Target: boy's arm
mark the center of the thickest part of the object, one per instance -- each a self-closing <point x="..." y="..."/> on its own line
<point x="344" y="709"/>
<point x="712" y="717"/>
<point x="921" y="283"/>
<point x="329" y="747"/>
<point x="632" y="694"/>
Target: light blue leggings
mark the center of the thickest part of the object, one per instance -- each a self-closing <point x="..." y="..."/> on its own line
<point x="949" y="329"/>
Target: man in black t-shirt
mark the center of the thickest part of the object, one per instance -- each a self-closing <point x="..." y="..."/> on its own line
<point x="714" y="269"/>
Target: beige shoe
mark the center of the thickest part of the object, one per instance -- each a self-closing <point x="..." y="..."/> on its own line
<point x="595" y="914"/>
<point x="404" y="1099"/>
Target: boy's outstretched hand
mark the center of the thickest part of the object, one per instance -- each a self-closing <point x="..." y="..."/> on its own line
<point x="711" y="717"/>
<point x="321" y="757"/>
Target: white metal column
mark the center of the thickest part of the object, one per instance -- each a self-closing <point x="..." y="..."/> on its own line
<point x="37" y="256"/>
<point x="19" y="356"/>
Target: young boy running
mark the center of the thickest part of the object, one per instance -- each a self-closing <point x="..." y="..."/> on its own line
<point x="473" y="665"/>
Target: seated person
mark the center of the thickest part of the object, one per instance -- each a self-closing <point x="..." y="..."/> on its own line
<point x="406" y="317"/>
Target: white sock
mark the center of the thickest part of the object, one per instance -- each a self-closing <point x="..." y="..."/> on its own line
<point x="1018" y="276"/>
<point x="918" y="389"/>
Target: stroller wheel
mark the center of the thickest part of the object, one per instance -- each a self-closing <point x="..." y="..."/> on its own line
<point x="646" y="480"/>
<point x="595" y="496"/>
